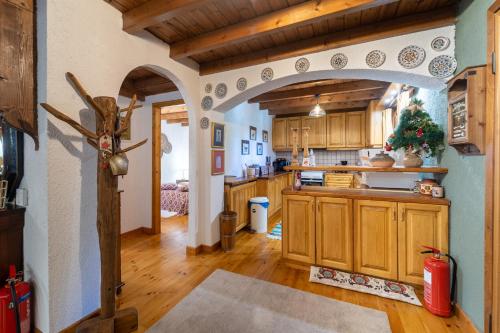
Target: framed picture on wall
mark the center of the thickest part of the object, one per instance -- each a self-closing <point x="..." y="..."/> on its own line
<point x="265" y="136"/>
<point x="245" y="147"/>
<point x="217" y="135"/>
<point x="253" y="133"/>
<point x="217" y="162"/>
<point x="260" y="148"/>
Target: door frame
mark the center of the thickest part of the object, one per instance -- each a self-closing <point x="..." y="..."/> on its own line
<point x="492" y="190"/>
<point x="156" y="163"/>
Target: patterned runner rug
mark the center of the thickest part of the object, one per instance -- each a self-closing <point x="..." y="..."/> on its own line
<point x="364" y="284"/>
<point x="276" y="232"/>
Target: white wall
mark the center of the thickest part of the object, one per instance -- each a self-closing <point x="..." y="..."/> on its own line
<point x="175" y="165"/>
<point x="238" y="121"/>
<point x="62" y="252"/>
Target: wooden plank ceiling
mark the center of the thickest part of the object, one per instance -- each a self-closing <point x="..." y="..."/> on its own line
<point x="143" y="82"/>
<point x="228" y="34"/>
<point x="332" y="95"/>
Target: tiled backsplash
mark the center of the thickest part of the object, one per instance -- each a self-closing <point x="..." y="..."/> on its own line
<point x="327" y="157"/>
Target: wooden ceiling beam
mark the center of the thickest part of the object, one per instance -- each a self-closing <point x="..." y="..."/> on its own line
<point x="176" y="121"/>
<point x="341" y="106"/>
<point x="385" y="29"/>
<point x="339" y="88"/>
<point x="174" y="115"/>
<point x="154" y="12"/>
<point x="327" y="99"/>
<point x="293" y="16"/>
<point x="310" y="84"/>
<point x="154" y="81"/>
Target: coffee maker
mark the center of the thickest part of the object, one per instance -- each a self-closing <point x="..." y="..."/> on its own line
<point x="279" y="164"/>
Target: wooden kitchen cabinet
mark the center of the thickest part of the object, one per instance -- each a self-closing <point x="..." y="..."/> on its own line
<point x="298" y="240"/>
<point x="375" y="136"/>
<point x="376" y="238"/>
<point x="293" y="122"/>
<point x="271" y="188"/>
<point x="279" y="134"/>
<point x="355" y="129"/>
<point x="317" y="131"/>
<point x="334" y="233"/>
<point x="238" y="202"/>
<point x="419" y="225"/>
<point x="335" y="137"/>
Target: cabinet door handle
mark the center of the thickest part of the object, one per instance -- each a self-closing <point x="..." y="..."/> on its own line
<point x="395" y="214"/>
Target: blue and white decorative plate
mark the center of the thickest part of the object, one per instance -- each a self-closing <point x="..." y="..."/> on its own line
<point x="206" y="103"/>
<point x="241" y="84"/>
<point x="208" y="88"/>
<point x="375" y="58"/>
<point x="302" y="65"/>
<point x="338" y="61"/>
<point x="442" y="66"/>
<point x="204" y="123"/>
<point x="411" y="56"/>
<point x="221" y="90"/>
<point x="267" y="74"/>
<point x="440" y="43"/>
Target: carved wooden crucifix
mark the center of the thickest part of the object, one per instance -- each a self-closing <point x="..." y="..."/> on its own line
<point x="106" y="139"/>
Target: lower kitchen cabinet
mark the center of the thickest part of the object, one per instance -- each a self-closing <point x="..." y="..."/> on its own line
<point x="298" y="232"/>
<point x="419" y="225"/>
<point x="334" y="233"/>
<point x="238" y="197"/>
<point x="376" y="238"/>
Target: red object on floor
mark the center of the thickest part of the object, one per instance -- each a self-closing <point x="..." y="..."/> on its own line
<point x="8" y="320"/>
<point x="437" y="297"/>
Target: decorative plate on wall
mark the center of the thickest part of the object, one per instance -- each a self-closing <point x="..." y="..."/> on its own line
<point x="241" y="84"/>
<point x="338" y="61"/>
<point x="206" y="103"/>
<point x="267" y="74"/>
<point x="411" y="56"/>
<point x="221" y="90"/>
<point x="375" y="58"/>
<point x="442" y="66"/>
<point x="208" y="88"/>
<point x="302" y="65"/>
<point x="440" y="43"/>
<point x="204" y="122"/>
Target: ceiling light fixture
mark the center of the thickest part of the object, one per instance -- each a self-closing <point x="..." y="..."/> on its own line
<point x="317" y="111"/>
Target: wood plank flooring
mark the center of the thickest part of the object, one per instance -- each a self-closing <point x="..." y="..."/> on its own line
<point x="158" y="274"/>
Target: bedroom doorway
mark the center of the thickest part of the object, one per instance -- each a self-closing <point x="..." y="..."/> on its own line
<point x="173" y="151"/>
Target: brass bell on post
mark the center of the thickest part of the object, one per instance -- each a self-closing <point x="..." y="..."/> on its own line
<point x="119" y="164"/>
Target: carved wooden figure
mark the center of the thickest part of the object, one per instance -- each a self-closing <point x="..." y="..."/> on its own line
<point x="106" y="140"/>
<point x="295" y="151"/>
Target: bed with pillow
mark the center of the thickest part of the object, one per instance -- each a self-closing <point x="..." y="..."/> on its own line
<point x="175" y="198"/>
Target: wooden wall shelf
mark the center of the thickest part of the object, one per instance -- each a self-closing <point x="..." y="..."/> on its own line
<point x="365" y="169"/>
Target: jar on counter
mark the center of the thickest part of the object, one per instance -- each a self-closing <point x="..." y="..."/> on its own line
<point x="438" y="191"/>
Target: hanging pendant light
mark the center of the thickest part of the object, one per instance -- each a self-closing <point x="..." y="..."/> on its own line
<point x="317" y="111"/>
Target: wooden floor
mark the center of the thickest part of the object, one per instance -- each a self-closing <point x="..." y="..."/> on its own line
<point x="158" y="274"/>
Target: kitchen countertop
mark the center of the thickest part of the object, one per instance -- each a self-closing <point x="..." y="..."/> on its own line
<point x="235" y="181"/>
<point x="367" y="194"/>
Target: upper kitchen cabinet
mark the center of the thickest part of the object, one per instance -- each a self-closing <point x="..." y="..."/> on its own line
<point x="293" y="122"/>
<point x="317" y="131"/>
<point x="355" y="129"/>
<point x="335" y="137"/>
<point x="375" y="136"/>
<point x="279" y="133"/>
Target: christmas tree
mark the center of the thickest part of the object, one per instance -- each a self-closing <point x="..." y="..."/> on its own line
<point x="416" y="132"/>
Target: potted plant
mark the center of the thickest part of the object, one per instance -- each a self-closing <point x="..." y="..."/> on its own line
<point x="417" y="134"/>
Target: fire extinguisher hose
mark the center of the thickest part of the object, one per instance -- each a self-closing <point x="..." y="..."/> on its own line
<point x="453" y="280"/>
<point x="12" y="285"/>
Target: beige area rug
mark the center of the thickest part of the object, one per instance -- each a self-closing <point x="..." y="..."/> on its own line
<point x="227" y="302"/>
<point x="365" y="284"/>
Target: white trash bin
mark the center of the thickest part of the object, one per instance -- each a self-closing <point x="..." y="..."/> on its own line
<point x="258" y="214"/>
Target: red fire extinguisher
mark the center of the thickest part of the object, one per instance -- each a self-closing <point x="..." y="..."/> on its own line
<point x="437" y="296"/>
<point x="15" y="316"/>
